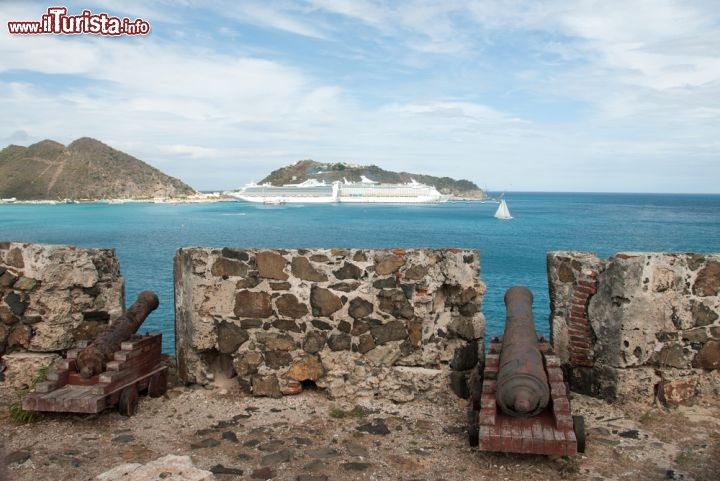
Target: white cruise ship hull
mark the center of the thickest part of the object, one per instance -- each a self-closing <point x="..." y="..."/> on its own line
<point x="366" y="192"/>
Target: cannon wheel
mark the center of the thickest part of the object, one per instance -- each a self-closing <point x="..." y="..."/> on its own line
<point x="473" y="427"/>
<point x="127" y="406"/>
<point x="579" y="428"/>
<point x="157" y="386"/>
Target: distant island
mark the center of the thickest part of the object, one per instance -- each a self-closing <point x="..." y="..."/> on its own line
<point x="85" y="169"/>
<point x="330" y="172"/>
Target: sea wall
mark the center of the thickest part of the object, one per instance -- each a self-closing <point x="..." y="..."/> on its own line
<point x="358" y="323"/>
<point x="50" y="297"/>
<point x="637" y="326"/>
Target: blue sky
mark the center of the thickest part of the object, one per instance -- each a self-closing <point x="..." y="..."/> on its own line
<point x="556" y="95"/>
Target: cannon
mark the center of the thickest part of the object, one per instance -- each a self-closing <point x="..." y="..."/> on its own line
<point x="110" y="371"/>
<point x="523" y="404"/>
<point x="522" y="385"/>
<point x="93" y="359"/>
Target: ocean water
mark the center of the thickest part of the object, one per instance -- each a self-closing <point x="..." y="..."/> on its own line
<point x="146" y="236"/>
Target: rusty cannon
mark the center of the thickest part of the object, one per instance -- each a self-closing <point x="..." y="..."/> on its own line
<point x="93" y="359"/>
<point x="110" y="371"/>
<point x="523" y="406"/>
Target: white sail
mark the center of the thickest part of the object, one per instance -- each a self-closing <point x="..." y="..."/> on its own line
<point x="502" y="211"/>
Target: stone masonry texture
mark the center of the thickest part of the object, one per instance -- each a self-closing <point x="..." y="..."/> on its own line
<point x="50" y="298"/>
<point x="637" y="325"/>
<point x="357" y="323"/>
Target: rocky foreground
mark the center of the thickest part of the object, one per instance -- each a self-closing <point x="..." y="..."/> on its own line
<point x="219" y="434"/>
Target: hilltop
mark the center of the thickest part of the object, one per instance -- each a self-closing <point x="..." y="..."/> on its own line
<point x="329" y="172"/>
<point x="85" y="169"/>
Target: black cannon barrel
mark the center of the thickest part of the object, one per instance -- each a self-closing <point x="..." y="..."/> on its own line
<point x="522" y="384"/>
<point x="93" y="358"/>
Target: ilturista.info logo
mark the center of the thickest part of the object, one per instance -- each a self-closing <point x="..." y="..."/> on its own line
<point x="57" y="22"/>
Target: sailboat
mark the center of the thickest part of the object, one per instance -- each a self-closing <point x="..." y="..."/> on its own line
<point x="502" y="211"/>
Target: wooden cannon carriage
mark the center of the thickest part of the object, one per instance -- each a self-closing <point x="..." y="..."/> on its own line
<point x="523" y="406"/>
<point x="111" y="371"/>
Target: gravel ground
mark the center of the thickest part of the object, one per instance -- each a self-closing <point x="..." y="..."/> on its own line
<point x="310" y="438"/>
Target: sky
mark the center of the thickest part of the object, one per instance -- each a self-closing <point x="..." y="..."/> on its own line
<point x="514" y="95"/>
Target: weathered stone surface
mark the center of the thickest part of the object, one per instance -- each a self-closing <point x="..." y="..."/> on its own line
<point x="387" y="264"/>
<point x="237" y="254"/>
<point x="360" y="326"/>
<point x="348" y="271"/>
<point x="277" y="359"/>
<point x="302" y="269"/>
<point x="360" y="308"/>
<point x="386" y="355"/>
<point x="276" y="342"/>
<point x="314" y="342"/>
<point x="266" y="386"/>
<point x="15" y="303"/>
<point x="288" y="305"/>
<point x="465" y="357"/>
<point x="25" y="284"/>
<point x="339" y="342"/>
<point x="394" y="302"/>
<point x="345" y="286"/>
<point x="253" y="304"/>
<point x="672" y="355"/>
<point x="223" y="267"/>
<point x="14" y="258"/>
<point x="392" y="331"/>
<point x="463" y="328"/>
<point x="324" y="302"/>
<point x="702" y="314"/>
<point x="19" y="336"/>
<point x="707" y="282"/>
<point x="6" y="316"/>
<point x="7" y="279"/>
<point x="414" y="328"/>
<point x="709" y="356"/>
<point x="309" y="313"/>
<point x="366" y="343"/>
<point x="286" y="325"/>
<point x="168" y="467"/>
<point x="674" y="393"/>
<point x="247" y="363"/>
<point x="22" y="367"/>
<point x="230" y="337"/>
<point x="386" y="283"/>
<point x="416" y="273"/>
<point x="271" y="265"/>
<point x="307" y="369"/>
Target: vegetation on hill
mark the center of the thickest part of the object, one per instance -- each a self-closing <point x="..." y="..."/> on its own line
<point x="85" y="169"/>
<point x="329" y="172"/>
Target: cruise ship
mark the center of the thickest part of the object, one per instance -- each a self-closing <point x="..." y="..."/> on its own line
<point x="310" y="191"/>
<point x="319" y="192"/>
<point x="368" y="191"/>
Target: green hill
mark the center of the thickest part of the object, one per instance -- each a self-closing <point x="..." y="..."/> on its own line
<point x="329" y="172"/>
<point x="85" y="169"/>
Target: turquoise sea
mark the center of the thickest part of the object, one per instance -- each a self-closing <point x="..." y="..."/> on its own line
<point x="146" y="236"/>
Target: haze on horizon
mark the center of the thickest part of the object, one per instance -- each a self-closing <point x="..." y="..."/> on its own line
<point x="611" y="96"/>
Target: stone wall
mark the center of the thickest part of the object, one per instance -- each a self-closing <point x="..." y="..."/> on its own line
<point x="50" y="297"/>
<point x="357" y="323"/>
<point x="637" y="325"/>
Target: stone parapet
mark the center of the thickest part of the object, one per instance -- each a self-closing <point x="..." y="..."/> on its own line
<point x="358" y="323"/>
<point x="52" y="296"/>
<point x="657" y="313"/>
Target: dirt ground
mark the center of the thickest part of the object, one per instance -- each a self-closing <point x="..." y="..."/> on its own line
<point x="311" y="438"/>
